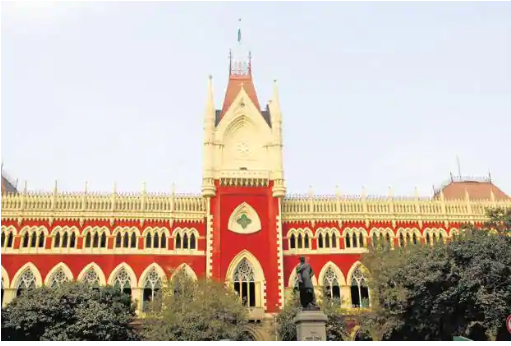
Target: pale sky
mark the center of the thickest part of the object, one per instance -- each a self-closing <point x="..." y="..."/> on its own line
<point x="374" y="94"/>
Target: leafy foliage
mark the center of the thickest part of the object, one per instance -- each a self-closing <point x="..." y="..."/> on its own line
<point x="336" y="329"/>
<point x="425" y="293"/>
<point x="71" y="312"/>
<point x="201" y="310"/>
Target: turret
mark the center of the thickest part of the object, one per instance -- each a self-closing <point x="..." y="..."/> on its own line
<point x="208" y="185"/>
<point x="279" y="189"/>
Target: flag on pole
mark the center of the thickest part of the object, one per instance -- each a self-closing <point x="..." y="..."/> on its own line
<point x="239" y="31"/>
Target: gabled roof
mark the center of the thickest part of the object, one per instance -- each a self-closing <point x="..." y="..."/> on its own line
<point x="236" y="82"/>
<point x="477" y="189"/>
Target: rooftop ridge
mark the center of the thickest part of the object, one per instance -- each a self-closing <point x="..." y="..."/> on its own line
<point x="461" y="179"/>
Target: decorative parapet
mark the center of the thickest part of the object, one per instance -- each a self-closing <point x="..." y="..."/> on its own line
<point x="86" y="205"/>
<point x="375" y="208"/>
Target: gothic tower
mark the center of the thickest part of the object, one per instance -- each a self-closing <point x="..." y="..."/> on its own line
<point x="243" y="183"/>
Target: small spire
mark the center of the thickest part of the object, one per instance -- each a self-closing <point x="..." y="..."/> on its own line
<point x="210" y="102"/>
<point x="311" y="191"/>
<point x="416" y="192"/>
<point x="143" y="187"/>
<point x="115" y="187"/>
<point x="239" y="31"/>
<point x="364" y="192"/>
<point x="86" y="186"/>
<point x="173" y="189"/>
<point x="55" y="187"/>
<point x="390" y="192"/>
<point x="337" y="191"/>
<point x="25" y="189"/>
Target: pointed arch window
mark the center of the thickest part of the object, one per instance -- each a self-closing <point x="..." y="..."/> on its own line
<point x="122" y="281"/>
<point x="126" y="240"/>
<point x="414" y="238"/>
<point x="148" y="241"/>
<point x="72" y="240"/>
<point x="331" y="285"/>
<point x="133" y="243"/>
<point x="178" y="241"/>
<point x="33" y="239"/>
<point x="348" y="242"/>
<point x="26" y="282"/>
<point x="152" y="287"/>
<point x="118" y="240"/>
<point x="306" y="241"/>
<point x="95" y="241"/>
<point x="40" y="242"/>
<point x="375" y="240"/>
<point x="3" y="239"/>
<point x="292" y="242"/>
<point x="428" y="240"/>
<point x="87" y="240"/>
<point x="103" y="240"/>
<point x="185" y="241"/>
<point x="334" y="240"/>
<point x="156" y="240"/>
<point x="327" y="240"/>
<point x="58" y="278"/>
<point x="25" y="239"/>
<point x="91" y="278"/>
<point x="64" y="240"/>
<point x="193" y="242"/>
<point x="401" y="240"/>
<point x="359" y="290"/>
<point x="300" y="241"/>
<point x="244" y="283"/>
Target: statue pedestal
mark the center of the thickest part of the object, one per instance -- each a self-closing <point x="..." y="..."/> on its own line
<point x="311" y="325"/>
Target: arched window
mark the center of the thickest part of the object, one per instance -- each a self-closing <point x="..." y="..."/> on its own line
<point x="118" y="240"/>
<point x="414" y="239"/>
<point x="148" y="241"/>
<point x="56" y="242"/>
<point x="151" y="288"/>
<point x="359" y="290"/>
<point x="361" y="240"/>
<point x="428" y="239"/>
<point x="375" y="240"/>
<point x="95" y="241"/>
<point x="133" y="243"/>
<point x="401" y="240"/>
<point x="389" y="242"/>
<point x="58" y="278"/>
<point x="354" y="242"/>
<point x="292" y="242"/>
<point x="408" y="238"/>
<point x="126" y="239"/>
<point x="334" y="240"/>
<point x="156" y="240"/>
<point x="91" y="278"/>
<point x="87" y="240"/>
<point x="103" y="240"/>
<point x="192" y="242"/>
<point x="64" y="240"/>
<point x="122" y="281"/>
<point x="26" y="282"/>
<point x="331" y="285"/>
<point x="3" y="241"/>
<point x="300" y="241"/>
<point x="348" y="242"/>
<point x="163" y="243"/>
<point x="185" y="241"/>
<point x="244" y="283"/>
<point x="440" y="238"/>
<point x="10" y="239"/>
<point x="178" y="241"/>
<point x="327" y="240"/>
<point x="40" y="242"/>
<point x="320" y="240"/>
<point x="306" y="241"/>
<point x="33" y="239"/>
<point x="25" y="239"/>
<point x="72" y="240"/>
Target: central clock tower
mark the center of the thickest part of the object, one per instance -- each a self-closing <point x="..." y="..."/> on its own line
<point x="243" y="184"/>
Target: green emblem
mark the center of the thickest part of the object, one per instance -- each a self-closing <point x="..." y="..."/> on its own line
<point x="244" y="221"/>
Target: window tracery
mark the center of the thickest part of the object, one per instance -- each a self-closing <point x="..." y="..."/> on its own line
<point x="26" y="282"/>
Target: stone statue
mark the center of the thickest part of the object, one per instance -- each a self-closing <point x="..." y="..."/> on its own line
<point x="306" y="288"/>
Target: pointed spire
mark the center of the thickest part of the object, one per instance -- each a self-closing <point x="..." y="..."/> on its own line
<point x="390" y="192"/>
<point x="55" y="190"/>
<point x="86" y="187"/>
<point x="276" y="99"/>
<point x="210" y="102"/>
<point x="337" y="191"/>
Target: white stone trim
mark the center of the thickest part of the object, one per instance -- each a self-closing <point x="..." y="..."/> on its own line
<point x="244" y="208"/>
<point x="35" y="271"/>
<point x="97" y="269"/>
<point x="65" y="269"/>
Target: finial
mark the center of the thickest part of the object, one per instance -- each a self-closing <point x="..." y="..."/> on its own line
<point x="442" y="197"/>
<point x="311" y="191"/>
<point x="390" y="192"/>
<point x="239" y="30"/>
<point x="173" y="189"/>
<point x="55" y="187"/>
<point x="143" y="187"/>
<point x="25" y="189"/>
<point x="86" y="187"/>
<point x="115" y="187"/>
<point x="337" y="191"/>
<point x="489" y="176"/>
<point x="416" y="192"/>
<point x="364" y="191"/>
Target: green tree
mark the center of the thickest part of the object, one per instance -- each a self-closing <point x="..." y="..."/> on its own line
<point x="195" y="310"/>
<point x="336" y="329"/>
<point x="424" y="293"/>
<point x="71" y="312"/>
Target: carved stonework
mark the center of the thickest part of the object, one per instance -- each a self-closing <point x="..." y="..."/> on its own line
<point x="244" y="220"/>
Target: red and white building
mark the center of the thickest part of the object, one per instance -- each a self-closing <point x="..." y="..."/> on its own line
<point x="243" y="229"/>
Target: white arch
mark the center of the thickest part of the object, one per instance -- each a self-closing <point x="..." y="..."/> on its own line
<point x="336" y="269"/>
<point x="7" y="229"/>
<point x="256" y="266"/>
<point x="292" y="279"/>
<point x="129" y="271"/>
<point x="159" y="270"/>
<point x="244" y="209"/>
<point x="160" y="230"/>
<point x="5" y="278"/>
<point x="34" y="228"/>
<point x="100" y="230"/>
<point x="19" y="273"/>
<point x="97" y="269"/>
<point x="354" y="267"/>
<point x="129" y="230"/>
<point x="64" y="268"/>
<point x="188" y="270"/>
